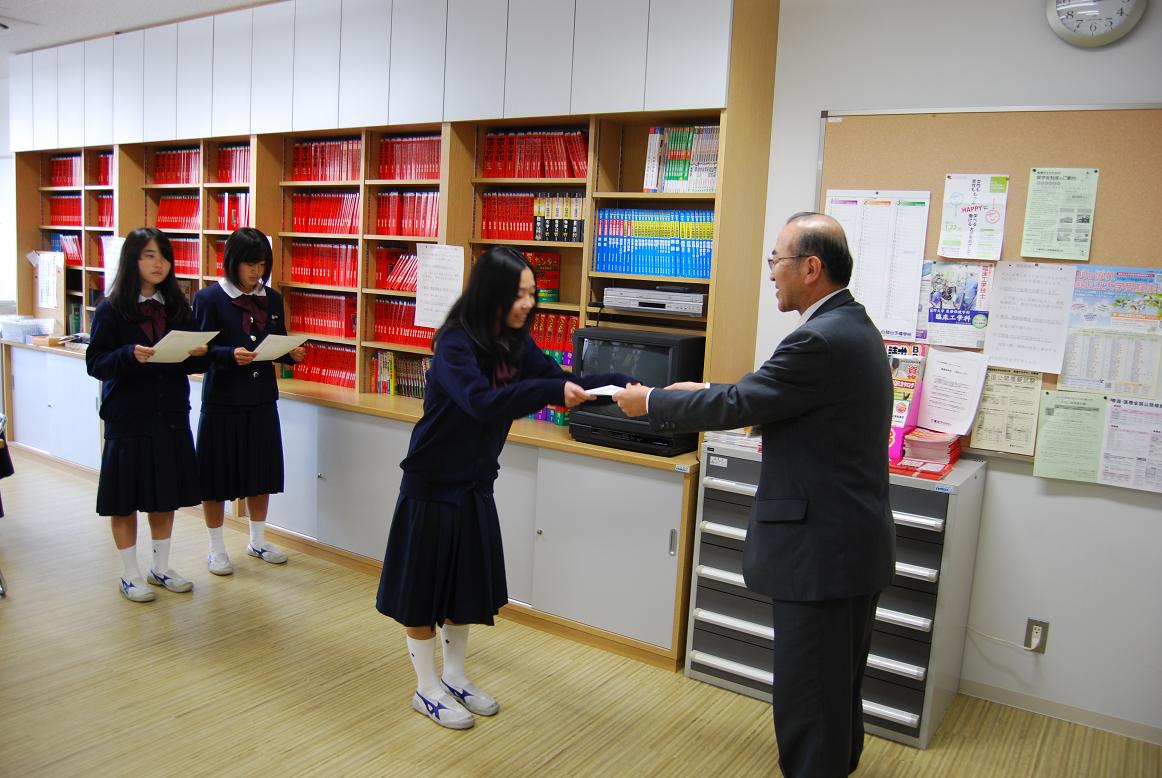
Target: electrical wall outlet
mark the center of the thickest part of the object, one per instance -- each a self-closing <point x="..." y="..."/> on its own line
<point x="1036" y="635"/>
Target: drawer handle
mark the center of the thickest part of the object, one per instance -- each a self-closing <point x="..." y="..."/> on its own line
<point x="903" y="619"/>
<point x="673" y="542"/>
<point x="730" y="622"/>
<point x="896" y="667"/>
<point x="920" y="522"/>
<point x="722" y="530"/>
<point x="734" y="487"/>
<point x="725" y="576"/>
<point x="737" y="668"/>
<point x="916" y="571"/>
<point x="891" y="714"/>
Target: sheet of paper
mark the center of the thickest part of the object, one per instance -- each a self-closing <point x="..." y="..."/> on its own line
<point x="1131" y="453"/>
<point x="1113" y="362"/>
<point x="1059" y="213"/>
<point x="48" y="270"/>
<point x="111" y="251"/>
<point x="1069" y="436"/>
<point x="439" y="282"/>
<point x="885" y="232"/>
<point x="954" y="303"/>
<point x="1117" y="298"/>
<point x="1007" y="417"/>
<point x="176" y="345"/>
<point x="1029" y="316"/>
<point x="952" y="384"/>
<point x="275" y="346"/>
<point x="973" y="221"/>
<point x="606" y="391"/>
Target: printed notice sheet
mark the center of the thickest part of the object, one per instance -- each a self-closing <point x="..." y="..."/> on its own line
<point x="1069" y="436"/>
<point x="954" y="303"/>
<point x="1059" y="213"/>
<point x="973" y="221"/>
<point x="1030" y="313"/>
<point x="439" y="281"/>
<point x="48" y="270"/>
<point x="111" y="251"/>
<point x="885" y="232"/>
<point x="952" y="384"/>
<point x="177" y="344"/>
<point x="1131" y="453"/>
<point x="1118" y="298"/>
<point x="1007" y="418"/>
<point x="275" y="346"/>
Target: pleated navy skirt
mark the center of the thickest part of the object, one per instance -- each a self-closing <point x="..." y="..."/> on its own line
<point x="154" y="471"/>
<point x="239" y="451"/>
<point x="444" y="562"/>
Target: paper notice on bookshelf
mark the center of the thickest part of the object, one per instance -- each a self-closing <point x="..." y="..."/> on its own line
<point x="952" y="385"/>
<point x="1059" y="213"/>
<point x="885" y="232"/>
<point x="1007" y="417"/>
<point x="439" y="282"/>
<point x="1130" y="455"/>
<point x="1029" y="317"/>
<point x="48" y="280"/>
<point x="111" y="251"/>
<point x="1069" y="436"/>
<point x="973" y="222"/>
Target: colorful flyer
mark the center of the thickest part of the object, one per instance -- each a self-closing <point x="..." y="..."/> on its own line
<point x="954" y="307"/>
<point x="973" y="221"/>
<point x="1119" y="298"/>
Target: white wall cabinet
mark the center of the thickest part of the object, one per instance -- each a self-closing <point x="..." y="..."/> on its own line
<point x="418" y="40"/>
<point x="315" y="104"/>
<point x="128" y="86"/>
<point x="516" y="503"/>
<point x="44" y="104"/>
<point x="195" y="85"/>
<point x="609" y="60"/>
<point x="30" y="424"/>
<point x="296" y="509"/>
<point x="161" y="83"/>
<point x="99" y="92"/>
<point x="474" y="73"/>
<point x="230" y="114"/>
<point x="539" y="62"/>
<point x="20" y="102"/>
<point x="688" y="54"/>
<point x="70" y="72"/>
<point x="364" y="62"/>
<point x="55" y="405"/>
<point x="272" y="68"/>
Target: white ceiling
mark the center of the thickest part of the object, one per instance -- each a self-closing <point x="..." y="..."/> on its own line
<point x="37" y="24"/>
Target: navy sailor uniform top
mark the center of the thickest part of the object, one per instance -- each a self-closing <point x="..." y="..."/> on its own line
<point x="456" y="446"/>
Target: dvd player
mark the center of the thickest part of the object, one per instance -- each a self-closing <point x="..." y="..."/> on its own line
<point x="654" y="300"/>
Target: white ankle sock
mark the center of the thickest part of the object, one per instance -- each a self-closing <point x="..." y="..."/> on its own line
<point x="423" y="653"/>
<point x="129" y="569"/>
<point x="217" y="542"/>
<point x="257" y="534"/>
<point x="455" y="644"/>
<point x="161" y="555"/>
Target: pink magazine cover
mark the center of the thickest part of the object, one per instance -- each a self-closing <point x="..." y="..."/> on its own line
<point x="907" y="384"/>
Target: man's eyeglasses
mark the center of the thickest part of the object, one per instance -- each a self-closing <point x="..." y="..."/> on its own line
<point x="772" y="262"/>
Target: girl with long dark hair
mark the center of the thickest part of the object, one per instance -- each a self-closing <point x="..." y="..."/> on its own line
<point x="148" y="461"/>
<point x="444" y="564"/>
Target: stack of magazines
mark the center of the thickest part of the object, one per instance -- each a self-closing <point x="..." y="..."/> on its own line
<point x="928" y="454"/>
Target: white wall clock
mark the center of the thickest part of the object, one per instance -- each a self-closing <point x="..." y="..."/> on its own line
<point x="1093" y="22"/>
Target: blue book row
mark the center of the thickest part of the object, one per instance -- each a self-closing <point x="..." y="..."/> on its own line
<point x="656" y="242"/>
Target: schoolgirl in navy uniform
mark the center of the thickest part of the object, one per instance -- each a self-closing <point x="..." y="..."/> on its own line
<point x="239" y="436"/>
<point x="444" y="563"/>
<point x="148" y="462"/>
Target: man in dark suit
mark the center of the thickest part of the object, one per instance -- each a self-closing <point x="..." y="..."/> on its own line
<point x="820" y="541"/>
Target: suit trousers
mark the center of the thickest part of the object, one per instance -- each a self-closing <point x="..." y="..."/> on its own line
<point x="820" y="652"/>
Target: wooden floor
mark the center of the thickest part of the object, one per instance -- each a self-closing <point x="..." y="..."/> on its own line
<point x="290" y="671"/>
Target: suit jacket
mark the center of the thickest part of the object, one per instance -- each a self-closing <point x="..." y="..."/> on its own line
<point x="821" y="527"/>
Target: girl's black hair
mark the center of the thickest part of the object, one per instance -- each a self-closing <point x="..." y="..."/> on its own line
<point x="481" y="310"/>
<point x="250" y="246"/>
<point x="127" y="282"/>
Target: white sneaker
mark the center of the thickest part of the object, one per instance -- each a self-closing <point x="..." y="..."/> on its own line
<point x="135" y="590"/>
<point x="220" y="564"/>
<point x="267" y="554"/>
<point x="444" y="710"/>
<point x="470" y="696"/>
<point x="170" y="580"/>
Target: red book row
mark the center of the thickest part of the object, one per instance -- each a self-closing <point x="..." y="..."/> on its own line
<point x="335" y="264"/>
<point x="327" y="160"/>
<point x="185" y="256"/>
<point x="395" y="322"/>
<point x="104" y="172"/>
<point x="395" y="269"/>
<point x="407" y="213"/>
<point x="234" y="163"/>
<point x="233" y="210"/>
<point x="104" y="210"/>
<point x="177" y="212"/>
<point x="539" y="154"/>
<point x="410" y="157"/>
<point x="177" y="166"/>
<point x="542" y="216"/>
<point x="70" y="246"/>
<point x="325" y="212"/>
<point x="64" y="170"/>
<point x="553" y="333"/>
<point x="327" y="364"/>
<point x="219" y="249"/>
<point x="319" y="313"/>
<point x="64" y="210"/>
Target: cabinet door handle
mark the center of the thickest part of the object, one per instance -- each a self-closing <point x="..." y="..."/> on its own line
<point x="673" y="542"/>
<point x="321" y="477"/>
<point x="540" y="532"/>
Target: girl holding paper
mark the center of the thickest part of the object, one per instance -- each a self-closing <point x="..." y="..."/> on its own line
<point x="239" y="436"/>
<point x="148" y="463"/>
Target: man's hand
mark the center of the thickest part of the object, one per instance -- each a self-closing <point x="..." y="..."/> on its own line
<point x="632" y="399"/>
<point x="687" y="386"/>
<point x="575" y="395"/>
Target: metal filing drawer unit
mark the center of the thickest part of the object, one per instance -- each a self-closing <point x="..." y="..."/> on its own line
<point x="913" y="670"/>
